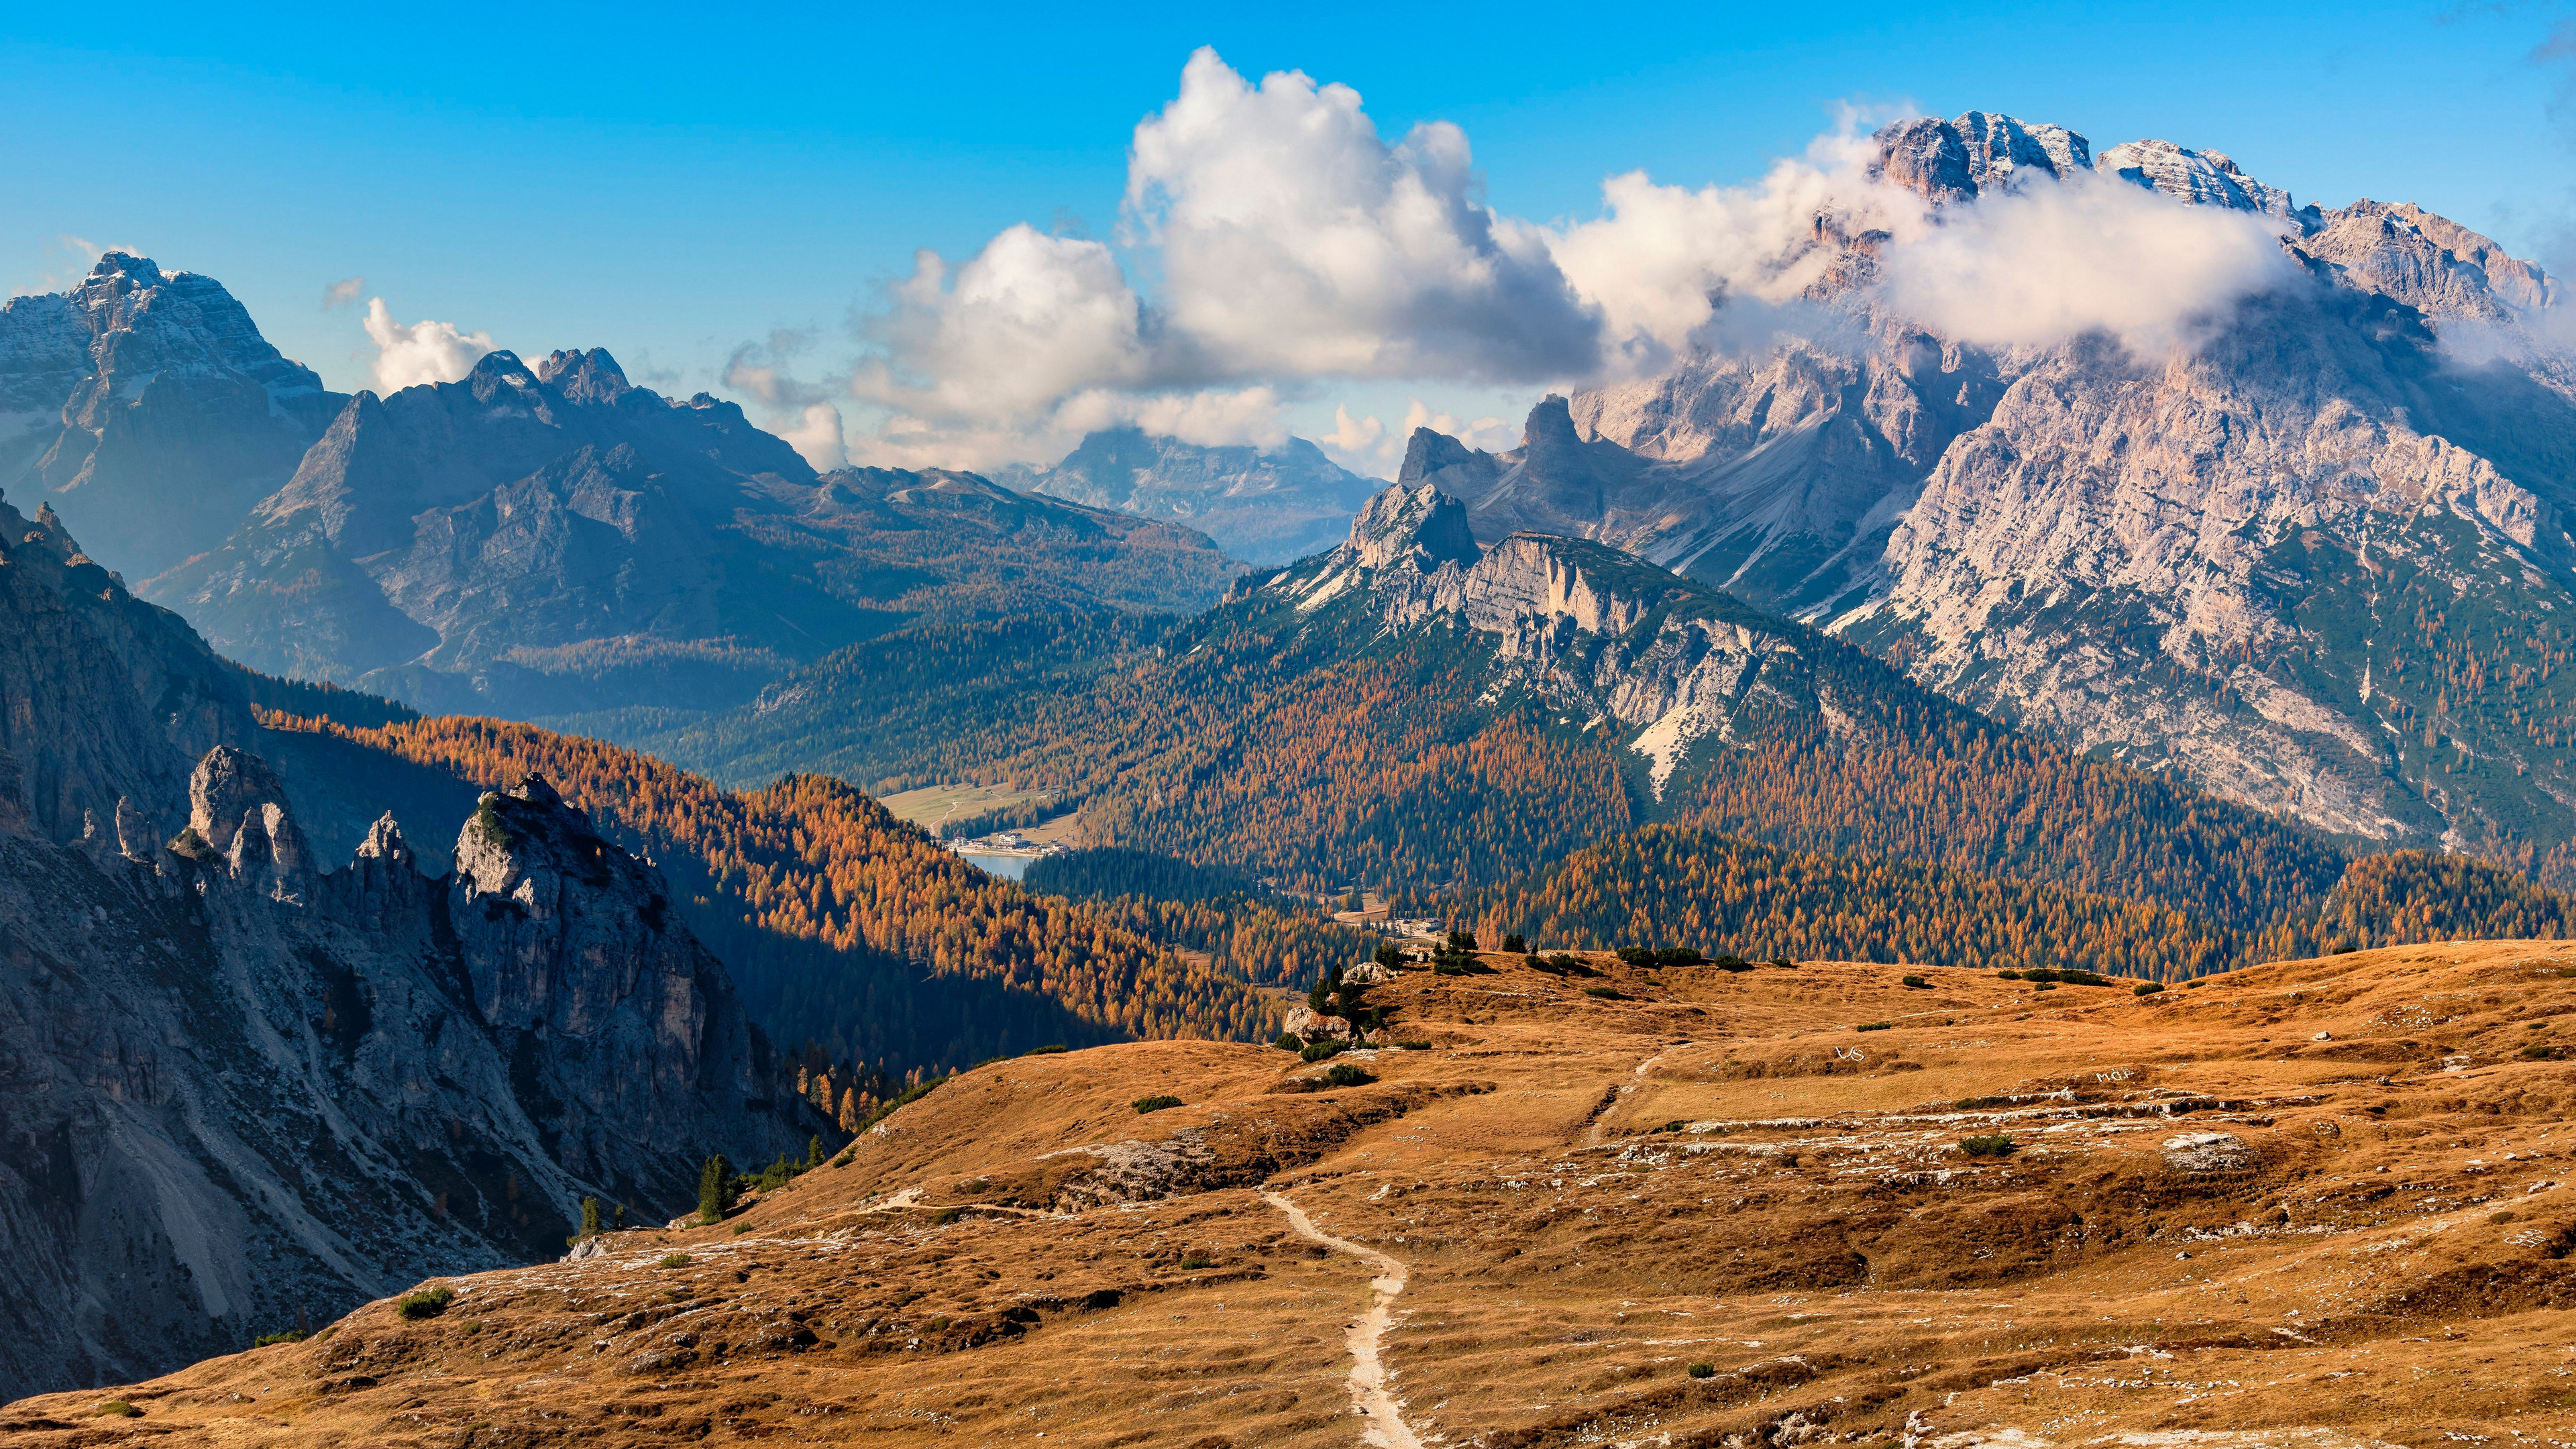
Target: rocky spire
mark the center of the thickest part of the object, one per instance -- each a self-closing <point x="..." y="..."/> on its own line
<point x="237" y="806"/>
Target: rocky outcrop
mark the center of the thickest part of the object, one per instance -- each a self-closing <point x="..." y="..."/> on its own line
<point x="2200" y="178"/>
<point x="1974" y="155"/>
<point x="146" y="406"/>
<point x="1666" y="662"/>
<point x="1261" y="505"/>
<point x="246" y="1091"/>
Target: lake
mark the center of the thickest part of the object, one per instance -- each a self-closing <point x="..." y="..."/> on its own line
<point x="1008" y="867"/>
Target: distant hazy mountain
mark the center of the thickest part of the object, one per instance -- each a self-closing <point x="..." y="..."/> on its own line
<point x="556" y="540"/>
<point x="147" y="409"/>
<point x="2318" y="562"/>
<point x="1264" y="506"/>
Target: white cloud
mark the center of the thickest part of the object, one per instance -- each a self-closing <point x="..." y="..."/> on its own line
<point x="342" y="292"/>
<point x="1291" y="244"/>
<point x="1289" y="247"/>
<point x="1293" y="241"/>
<point x="816" y="436"/>
<point x="1660" y="260"/>
<point x="423" y="352"/>
<point x="2052" y="261"/>
<point x="1367" y="445"/>
<point x="1211" y="418"/>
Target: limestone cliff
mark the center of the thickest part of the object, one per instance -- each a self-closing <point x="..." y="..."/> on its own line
<point x="245" y="1090"/>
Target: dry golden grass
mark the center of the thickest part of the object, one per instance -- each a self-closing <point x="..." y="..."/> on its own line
<point x="2374" y="1250"/>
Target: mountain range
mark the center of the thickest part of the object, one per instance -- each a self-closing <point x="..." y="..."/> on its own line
<point x="531" y="542"/>
<point x="2314" y="561"/>
<point x="1263" y="506"/>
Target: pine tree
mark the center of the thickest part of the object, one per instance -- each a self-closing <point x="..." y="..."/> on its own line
<point x="715" y="1189"/>
<point x="590" y="1217"/>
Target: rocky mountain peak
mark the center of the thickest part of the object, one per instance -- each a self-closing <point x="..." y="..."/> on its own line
<point x="1262" y="505"/>
<point x="147" y="403"/>
<point x="2200" y="178"/>
<point x="237" y="806"/>
<point x="1421" y="527"/>
<point x="585" y="377"/>
<point x="1975" y="153"/>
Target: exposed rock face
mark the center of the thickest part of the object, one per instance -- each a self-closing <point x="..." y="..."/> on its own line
<point x="2201" y="178"/>
<point x="2247" y="561"/>
<point x="1975" y="154"/>
<point x="244" y="1090"/>
<point x="538" y="541"/>
<point x="148" y="408"/>
<point x="105" y="701"/>
<point x="1669" y="661"/>
<point x="1264" y="506"/>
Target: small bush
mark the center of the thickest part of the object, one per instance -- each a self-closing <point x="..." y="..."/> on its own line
<point x="1288" y="1041"/>
<point x="2009" y="975"/>
<point x="118" y="1409"/>
<point x="1731" y="963"/>
<point x="1675" y="1125"/>
<point x="741" y="1228"/>
<point x="1784" y="963"/>
<point x="2343" y="949"/>
<point x="1637" y="955"/>
<point x="1198" y="1260"/>
<point x="1997" y="1145"/>
<point x="677" y="1260"/>
<point x="2194" y="985"/>
<point x="1918" y="982"/>
<point x="2045" y="986"/>
<point x="1606" y="993"/>
<point x="1045" y="1051"/>
<point x="1348" y="1074"/>
<point x="1321" y="1051"/>
<point x="1412" y="1046"/>
<point x="291" y="1335"/>
<point x="1701" y="1370"/>
<point x="427" y="1303"/>
<point x="2505" y="1217"/>
<point x="1874" y="1026"/>
<point x="1144" y="1105"/>
<point x="2151" y="988"/>
<point x="2541" y="1051"/>
<point x="943" y="1217"/>
<point x="1559" y="963"/>
<point x="1679" y="956"/>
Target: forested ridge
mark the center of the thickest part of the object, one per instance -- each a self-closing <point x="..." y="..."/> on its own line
<point x="1677" y="885"/>
<point x="830" y="911"/>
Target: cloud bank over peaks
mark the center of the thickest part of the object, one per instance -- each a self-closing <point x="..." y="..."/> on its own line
<point x="1293" y="248"/>
<point x="423" y="352"/>
<point x="2057" y="259"/>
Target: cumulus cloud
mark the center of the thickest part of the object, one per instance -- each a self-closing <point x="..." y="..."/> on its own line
<point x="342" y="292"/>
<point x="1291" y="243"/>
<point x="1288" y="246"/>
<point x="1294" y="241"/>
<point x="1672" y="268"/>
<point x="816" y="437"/>
<point x="2052" y="261"/>
<point x="423" y="352"/>
<point x="1366" y="445"/>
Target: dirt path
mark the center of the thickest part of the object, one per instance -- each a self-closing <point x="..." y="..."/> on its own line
<point x="1369" y="1393"/>
<point x="1592" y="1124"/>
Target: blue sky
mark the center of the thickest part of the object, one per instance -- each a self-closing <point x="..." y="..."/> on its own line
<point x="674" y="182"/>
